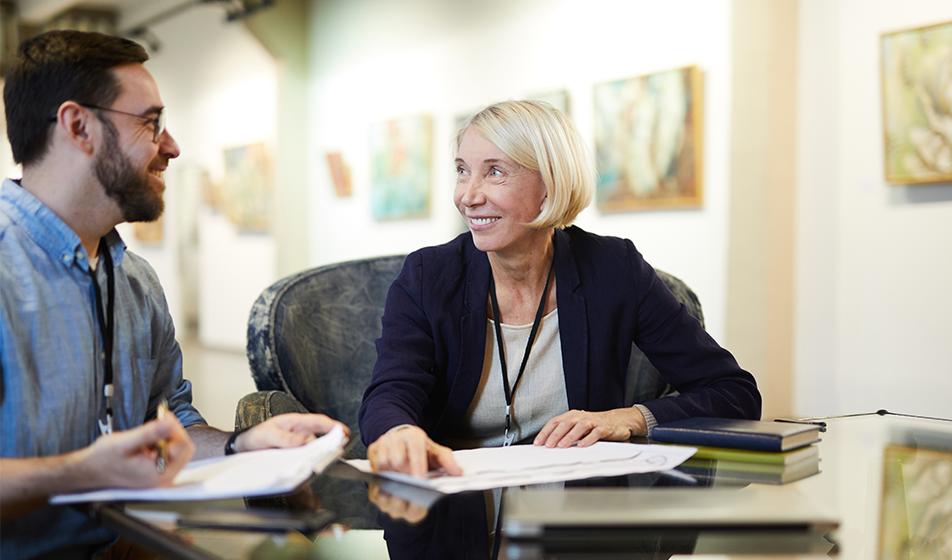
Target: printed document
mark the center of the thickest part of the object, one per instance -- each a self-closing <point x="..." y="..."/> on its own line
<point x="494" y="467"/>
<point x="254" y="473"/>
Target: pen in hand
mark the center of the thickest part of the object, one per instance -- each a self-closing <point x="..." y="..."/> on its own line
<point x="162" y="446"/>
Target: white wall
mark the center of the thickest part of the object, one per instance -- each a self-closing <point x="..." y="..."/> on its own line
<point x="376" y="60"/>
<point x="874" y="261"/>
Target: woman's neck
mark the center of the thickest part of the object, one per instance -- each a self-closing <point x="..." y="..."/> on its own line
<point x="524" y="267"/>
<point x="520" y="279"/>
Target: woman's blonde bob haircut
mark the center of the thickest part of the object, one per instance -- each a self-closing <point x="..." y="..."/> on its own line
<point x="541" y="138"/>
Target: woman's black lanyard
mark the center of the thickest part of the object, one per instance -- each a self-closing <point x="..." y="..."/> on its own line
<point x="106" y="326"/>
<point x="510" y="393"/>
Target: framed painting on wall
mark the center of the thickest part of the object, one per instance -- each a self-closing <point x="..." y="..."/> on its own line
<point x="401" y="157"/>
<point x="648" y="141"/>
<point x="916" y="505"/>
<point x="247" y="188"/>
<point x="917" y="104"/>
<point x="340" y="174"/>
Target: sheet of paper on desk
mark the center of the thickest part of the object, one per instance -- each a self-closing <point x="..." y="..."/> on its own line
<point x="256" y="473"/>
<point x="494" y="467"/>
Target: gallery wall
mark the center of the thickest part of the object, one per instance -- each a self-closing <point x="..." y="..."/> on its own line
<point x="874" y="261"/>
<point x="219" y="85"/>
<point x="373" y="61"/>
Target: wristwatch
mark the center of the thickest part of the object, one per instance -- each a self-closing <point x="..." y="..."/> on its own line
<point x="231" y="445"/>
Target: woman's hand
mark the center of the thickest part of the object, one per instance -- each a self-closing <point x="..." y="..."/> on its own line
<point x="585" y="428"/>
<point x="394" y="507"/>
<point x="409" y="450"/>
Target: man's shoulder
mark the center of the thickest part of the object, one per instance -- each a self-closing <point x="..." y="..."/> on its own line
<point x="142" y="278"/>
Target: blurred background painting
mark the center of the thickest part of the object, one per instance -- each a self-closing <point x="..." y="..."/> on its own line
<point x="917" y="104"/>
<point x="401" y="156"/>
<point x="247" y="188"/>
<point x="916" y="513"/>
<point x="647" y="141"/>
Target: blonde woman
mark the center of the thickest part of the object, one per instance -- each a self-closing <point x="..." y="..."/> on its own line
<point x="520" y="330"/>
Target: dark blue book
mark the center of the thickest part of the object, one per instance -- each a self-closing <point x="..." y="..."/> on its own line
<point x="738" y="434"/>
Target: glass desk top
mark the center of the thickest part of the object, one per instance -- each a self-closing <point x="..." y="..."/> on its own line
<point x="886" y="480"/>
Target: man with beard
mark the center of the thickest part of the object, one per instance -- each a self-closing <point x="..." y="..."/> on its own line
<point x="88" y="357"/>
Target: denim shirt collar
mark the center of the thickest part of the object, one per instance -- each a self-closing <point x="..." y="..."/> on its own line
<point x="51" y="233"/>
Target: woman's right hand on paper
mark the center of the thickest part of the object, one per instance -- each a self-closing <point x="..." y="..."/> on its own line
<point x="407" y="449"/>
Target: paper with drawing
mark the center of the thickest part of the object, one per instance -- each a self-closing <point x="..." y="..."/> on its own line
<point x="494" y="467"/>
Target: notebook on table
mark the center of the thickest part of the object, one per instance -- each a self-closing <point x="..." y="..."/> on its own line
<point x="739" y="434"/>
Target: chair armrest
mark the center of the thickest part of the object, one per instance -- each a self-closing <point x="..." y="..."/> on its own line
<point x="257" y="407"/>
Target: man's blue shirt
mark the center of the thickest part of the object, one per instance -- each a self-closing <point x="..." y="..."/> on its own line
<point x="51" y="355"/>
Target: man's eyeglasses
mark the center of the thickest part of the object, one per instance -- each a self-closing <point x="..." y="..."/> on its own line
<point x="157" y="122"/>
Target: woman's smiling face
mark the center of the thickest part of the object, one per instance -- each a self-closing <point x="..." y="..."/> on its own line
<point x="496" y="196"/>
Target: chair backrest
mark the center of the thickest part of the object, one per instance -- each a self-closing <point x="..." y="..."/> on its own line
<point x="643" y="382"/>
<point x="312" y="336"/>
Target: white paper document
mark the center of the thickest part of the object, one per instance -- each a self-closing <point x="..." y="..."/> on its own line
<point x="494" y="467"/>
<point x="255" y="473"/>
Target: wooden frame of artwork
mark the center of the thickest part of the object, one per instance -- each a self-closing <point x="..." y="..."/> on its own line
<point x="916" y="78"/>
<point x="648" y="141"/>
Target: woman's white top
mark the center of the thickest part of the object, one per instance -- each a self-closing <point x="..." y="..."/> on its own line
<point x="539" y="396"/>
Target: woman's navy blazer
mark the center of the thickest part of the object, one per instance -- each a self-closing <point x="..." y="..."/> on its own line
<point x="430" y="353"/>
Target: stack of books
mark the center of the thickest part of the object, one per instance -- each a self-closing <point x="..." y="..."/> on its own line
<point x="745" y="451"/>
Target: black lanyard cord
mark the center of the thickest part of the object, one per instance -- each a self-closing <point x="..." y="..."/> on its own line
<point x="502" y="353"/>
<point x="106" y="329"/>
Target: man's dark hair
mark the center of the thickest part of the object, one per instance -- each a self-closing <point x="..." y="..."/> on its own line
<point x="59" y="66"/>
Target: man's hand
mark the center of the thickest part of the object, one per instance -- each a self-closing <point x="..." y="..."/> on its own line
<point x="127" y="459"/>
<point x="583" y="428"/>
<point x="122" y="459"/>
<point x="287" y="430"/>
<point x="409" y="450"/>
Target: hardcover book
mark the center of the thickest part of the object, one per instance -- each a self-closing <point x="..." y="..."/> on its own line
<point x="739" y="434"/>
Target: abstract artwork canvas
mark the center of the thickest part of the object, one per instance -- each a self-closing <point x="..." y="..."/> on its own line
<point x="401" y="156"/>
<point x="917" y="104"/>
<point x="916" y="510"/>
<point x="340" y="174"/>
<point x="247" y="188"/>
<point x="648" y="141"/>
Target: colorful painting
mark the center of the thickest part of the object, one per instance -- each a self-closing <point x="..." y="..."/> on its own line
<point x="916" y="511"/>
<point x="247" y="190"/>
<point x="917" y="105"/>
<point x="340" y="174"/>
<point x="401" y="157"/>
<point x="648" y="141"/>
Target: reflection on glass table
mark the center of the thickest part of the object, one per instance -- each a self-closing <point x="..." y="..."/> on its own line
<point x="886" y="481"/>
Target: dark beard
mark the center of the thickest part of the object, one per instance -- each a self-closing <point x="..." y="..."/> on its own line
<point x="131" y="191"/>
